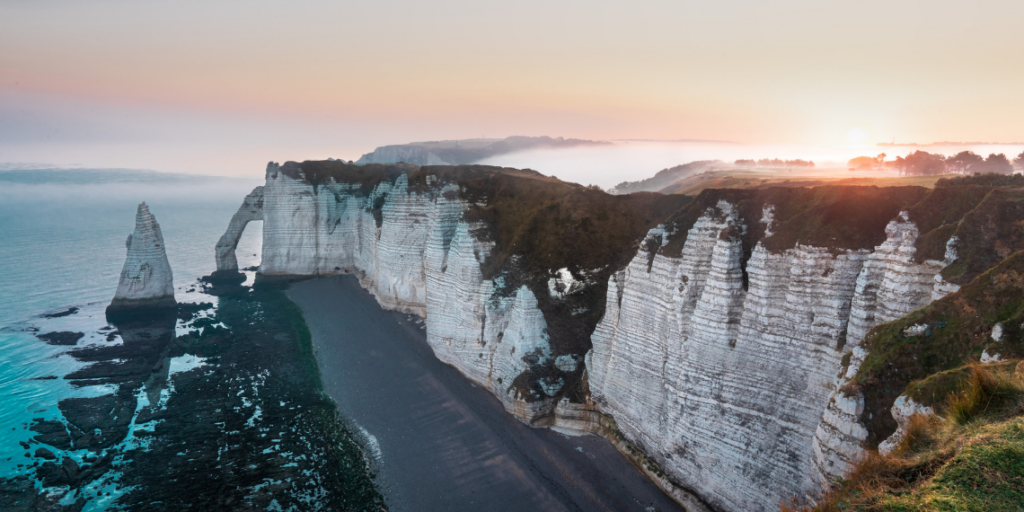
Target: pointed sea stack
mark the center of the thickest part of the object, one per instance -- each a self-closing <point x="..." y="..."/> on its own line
<point x="146" y="286"/>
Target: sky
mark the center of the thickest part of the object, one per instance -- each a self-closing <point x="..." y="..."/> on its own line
<point x="224" y="87"/>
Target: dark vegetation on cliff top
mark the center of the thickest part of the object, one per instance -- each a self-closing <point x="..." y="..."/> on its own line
<point x="835" y="217"/>
<point x="984" y="212"/>
<point x="317" y="172"/>
<point x="549" y="223"/>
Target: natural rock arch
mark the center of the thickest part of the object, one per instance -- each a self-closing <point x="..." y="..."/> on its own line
<point x="251" y="209"/>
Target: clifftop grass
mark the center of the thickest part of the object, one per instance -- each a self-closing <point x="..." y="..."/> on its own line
<point x="316" y="172"/>
<point x="959" y="329"/>
<point x="835" y="217"/>
<point x="969" y="458"/>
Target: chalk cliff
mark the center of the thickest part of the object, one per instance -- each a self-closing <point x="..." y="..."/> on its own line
<point x="717" y="336"/>
<point x="146" y="281"/>
<point x="413" y="246"/>
<point x="725" y="385"/>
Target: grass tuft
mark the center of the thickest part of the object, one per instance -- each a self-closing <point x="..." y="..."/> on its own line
<point x="984" y="391"/>
<point x="919" y="434"/>
<point x="972" y="459"/>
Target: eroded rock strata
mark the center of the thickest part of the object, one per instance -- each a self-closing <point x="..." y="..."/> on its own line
<point x="146" y="282"/>
<point x="715" y="336"/>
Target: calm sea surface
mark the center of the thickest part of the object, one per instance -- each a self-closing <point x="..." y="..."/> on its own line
<point x="62" y="245"/>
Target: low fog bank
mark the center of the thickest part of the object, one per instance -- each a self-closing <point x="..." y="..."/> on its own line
<point x="607" y="166"/>
<point x="20" y="185"/>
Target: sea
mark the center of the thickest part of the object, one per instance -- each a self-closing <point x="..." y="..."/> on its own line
<point x="62" y="246"/>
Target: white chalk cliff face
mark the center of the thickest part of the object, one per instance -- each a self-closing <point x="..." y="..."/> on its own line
<point x="146" y="279"/>
<point x="724" y="373"/>
<point x="734" y="392"/>
<point x="413" y="251"/>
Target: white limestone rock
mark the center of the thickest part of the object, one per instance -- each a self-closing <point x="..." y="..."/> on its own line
<point x="997" y="331"/>
<point x="563" y="284"/>
<point x="146" y="280"/>
<point x="733" y="392"/>
<point x="916" y="330"/>
<point x="415" y="255"/>
<point x="250" y="210"/>
<point x="902" y="410"/>
<point x="990" y="358"/>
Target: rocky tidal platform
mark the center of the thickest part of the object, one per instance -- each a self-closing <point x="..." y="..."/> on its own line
<point x="187" y="412"/>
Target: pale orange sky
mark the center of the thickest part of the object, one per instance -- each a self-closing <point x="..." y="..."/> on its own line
<point x="226" y="86"/>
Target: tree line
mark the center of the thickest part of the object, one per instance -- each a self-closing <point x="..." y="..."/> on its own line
<point x="922" y="163"/>
<point x="775" y="162"/>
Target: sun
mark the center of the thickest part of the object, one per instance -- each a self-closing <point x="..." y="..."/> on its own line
<point x="855" y="136"/>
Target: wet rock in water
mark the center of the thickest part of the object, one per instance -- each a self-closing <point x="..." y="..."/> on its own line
<point x="146" y="285"/>
<point x="67" y="312"/>
<point x="45" y="453"/>
<point x="69" y="469"/>
<point x="53" y="475"/>
<point x="49" y="473"/>
<point x="210" y="439"/>
<point x="130" y="363"/>
<point x="112" y="335"/>
<point x="98" y="422"/>
<point x="61" y="338"/>
<point x="52" y="433"/>
<point x="18" y="494"/>
<point x="188" y="310"/>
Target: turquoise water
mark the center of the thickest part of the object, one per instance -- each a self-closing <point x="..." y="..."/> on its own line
<point x="61" y="246"/>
